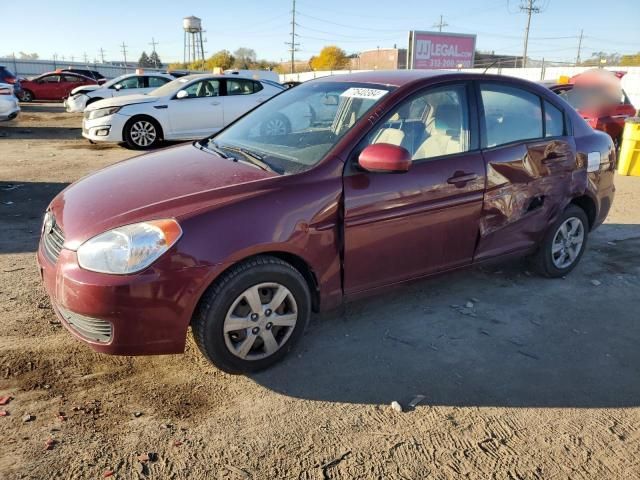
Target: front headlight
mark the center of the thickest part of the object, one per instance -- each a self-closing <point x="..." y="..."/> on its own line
<point x="129" y="249"/>
<point x="102" y="112"/>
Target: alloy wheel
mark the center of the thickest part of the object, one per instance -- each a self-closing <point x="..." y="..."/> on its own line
<point x="567" y="243"/>
<point x="143" y="133"/>
<point x="275" y="126"/>
<point x="260" y="321"/>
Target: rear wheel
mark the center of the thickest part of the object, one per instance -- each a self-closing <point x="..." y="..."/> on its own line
<point x="253" y="315"/>
<point x="277" y="124"/>
<point x="142" y="133"/>
<point x="563" y="244"/>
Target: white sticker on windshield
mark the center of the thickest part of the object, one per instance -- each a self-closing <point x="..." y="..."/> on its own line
<point x="366" y="93"/>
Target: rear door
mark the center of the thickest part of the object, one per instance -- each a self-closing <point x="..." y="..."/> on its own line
<point x="151" y="82"/>
<point x="530" y="159"/>
<point x="403" y="226"/>
<point x="68" y="83"/>
<point x="199" y="114"/>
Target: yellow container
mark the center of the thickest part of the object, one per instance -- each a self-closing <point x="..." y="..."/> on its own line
<point x="629" y="161"/>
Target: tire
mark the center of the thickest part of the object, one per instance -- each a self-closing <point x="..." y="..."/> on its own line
<point x="277" y="124"/>
<point x="225" y="305"/>
<point x="92" y="100"/>
<point x="27" y="96"/>
<point x="142" y="133"/>
<point x="558" y="255"/>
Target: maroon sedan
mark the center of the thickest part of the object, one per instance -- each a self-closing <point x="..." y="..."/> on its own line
<point x="53" y="86"/>
<point x="243" y="234"/>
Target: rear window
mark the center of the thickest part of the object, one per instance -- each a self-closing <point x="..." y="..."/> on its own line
<point x="553" y="121"/>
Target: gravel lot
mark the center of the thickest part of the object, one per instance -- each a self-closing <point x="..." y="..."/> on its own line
<point x="537" y="379"/>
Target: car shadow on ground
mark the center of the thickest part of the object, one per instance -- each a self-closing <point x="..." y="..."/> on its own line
<point x="491" y="336"/>
<point x="39" y="133"/>
<point x="22" y="205"/>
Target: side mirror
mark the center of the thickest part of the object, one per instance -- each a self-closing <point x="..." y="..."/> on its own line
<point x="118" y="87"/>
<point x="182" y="94"/>
<point x="385" y="158"/>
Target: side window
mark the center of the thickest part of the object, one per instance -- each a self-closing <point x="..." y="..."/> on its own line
<point x="430" y="124"/>
<point x="204" y="88"/>
<point x="510" y="114"/>
<point x="239" y="87"/>
<point x="553" y="121"/>
<point x="131" y="82"/>
<point x="257" y="86"/>
<point x="50" y="79"/>
<point x="71" y="79"/>
<point x="155" y="82"/>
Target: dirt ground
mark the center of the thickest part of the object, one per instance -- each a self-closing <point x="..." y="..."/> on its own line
<point x="539" y="379"/>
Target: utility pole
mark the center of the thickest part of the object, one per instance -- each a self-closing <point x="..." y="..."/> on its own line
<point x="86" y="58"/>
<point x="153" y="50"/>
<point x="292" y="44"/>
<point x="101" y="55"/>
<point x="55" y="57"/>
<point x="123" y="49"/>
<point x="441" y="24"/>
<point x="579" y="48"/>
<point x="530" y="7"/>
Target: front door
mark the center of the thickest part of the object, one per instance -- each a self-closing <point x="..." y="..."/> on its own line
<point x="403" y="226"/>
<point x="49" y="87"/>
<point x="200" y="113"/>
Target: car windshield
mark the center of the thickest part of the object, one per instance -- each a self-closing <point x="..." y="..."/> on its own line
<point x="170" y="87"/>
<point x="295" y="130"/>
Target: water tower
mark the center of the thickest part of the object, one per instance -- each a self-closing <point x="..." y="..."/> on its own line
<point x="193" y="46"/>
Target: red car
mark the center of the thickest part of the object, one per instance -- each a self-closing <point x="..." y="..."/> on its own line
<point x="243" y="234"/>
<point x="53" y="86"/>
<point x="600" y="99"/>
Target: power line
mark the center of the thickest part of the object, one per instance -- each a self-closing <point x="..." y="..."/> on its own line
<point x="441" y="24"/>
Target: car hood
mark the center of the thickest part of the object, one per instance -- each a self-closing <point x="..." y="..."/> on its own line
<point x="169" y="183"/>
<point x="122" y="101"/>
<point x="85" y="88"/>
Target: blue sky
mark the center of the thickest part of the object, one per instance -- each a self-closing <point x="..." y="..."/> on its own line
<point x="73" y="27"/>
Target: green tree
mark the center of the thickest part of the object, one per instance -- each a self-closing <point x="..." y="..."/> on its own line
<point x="331" y="57"/>
<point x="154" y="58"/>
<point x="222" y="60"/>
<point x="144" y="61"/>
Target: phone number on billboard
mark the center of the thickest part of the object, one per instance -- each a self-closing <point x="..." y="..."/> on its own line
<point x="446" y="63"/>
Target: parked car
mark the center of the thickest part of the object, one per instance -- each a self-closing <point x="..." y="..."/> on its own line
<point x="93" y="74"/>
<point x="128" y="84"/>
<point x="188" y="107"/>
<point x="255" y="74"/>
<point x="242" y="235"/>
<point x="9" y="107"/>
<point x="7" y="76"/>
<point x="52" y="86"/>
<point x="600" y="99"/>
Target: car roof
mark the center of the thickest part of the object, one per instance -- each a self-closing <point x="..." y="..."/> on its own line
<point x="194" y="76"/>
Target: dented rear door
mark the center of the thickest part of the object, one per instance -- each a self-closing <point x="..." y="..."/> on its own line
<point x="531" y="169"/>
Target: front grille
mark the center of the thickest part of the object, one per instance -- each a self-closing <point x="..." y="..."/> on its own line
<point x="90" y="328"/>
<point x="53" y="239"/>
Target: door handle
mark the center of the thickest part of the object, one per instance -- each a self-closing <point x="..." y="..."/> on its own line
<point x="215" y="103"/>
<point x="462" y="180"/>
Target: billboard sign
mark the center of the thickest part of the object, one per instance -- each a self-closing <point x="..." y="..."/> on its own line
<point x="433" y="50"/>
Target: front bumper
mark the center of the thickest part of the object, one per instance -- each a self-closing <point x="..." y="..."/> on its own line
<point x="75" y="103"/>
<point x="142" y="314"/>
<point x="104" y="129"/>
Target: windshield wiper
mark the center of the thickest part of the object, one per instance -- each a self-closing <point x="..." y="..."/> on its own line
<point x="212" y="146"/>
<point x="254" y="158"/>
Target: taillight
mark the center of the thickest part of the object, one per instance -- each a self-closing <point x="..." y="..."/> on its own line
<point x="10" y="80"/>
<point x="6" y="91"/>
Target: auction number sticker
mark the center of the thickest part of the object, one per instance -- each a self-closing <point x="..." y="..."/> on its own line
<point x="365" y="93"/>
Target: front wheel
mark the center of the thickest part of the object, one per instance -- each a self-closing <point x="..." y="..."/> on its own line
<point x="27" y="96"/>
<point x="277" y="124"/>
<point x="141" y="133"/>
<point x="253" y="315"/>
<point x="564" y="244"/>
